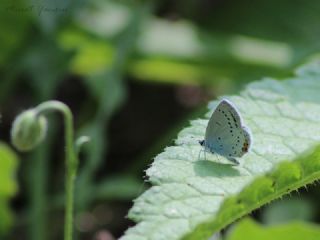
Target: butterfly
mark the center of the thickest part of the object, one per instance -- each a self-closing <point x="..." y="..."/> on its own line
<point x="225" y="133"/>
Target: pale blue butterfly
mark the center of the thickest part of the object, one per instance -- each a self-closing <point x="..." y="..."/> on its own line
<point x="225" y="134"/>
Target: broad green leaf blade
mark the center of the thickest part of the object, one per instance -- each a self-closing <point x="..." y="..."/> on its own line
<point x="8" y="185"/>
<point x="250" y="230"/>
<point x="194" y="198"/>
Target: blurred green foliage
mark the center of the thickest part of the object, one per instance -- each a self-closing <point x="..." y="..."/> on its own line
<point x="250" y="230"/>
<point x="86" y="48"/>
<point x="289" y="209"/>
<point x="8" y="185"/>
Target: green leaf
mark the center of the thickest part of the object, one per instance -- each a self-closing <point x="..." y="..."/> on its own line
<point x="8" y="185"/>
<point x="250" y="230"/>
<point x="119" y="188"/>
<point x="12" y="38"/>
<point x="93" y="55"/>
<point x="193" y="199"/>
<point x="289" y="209"/>
<point x="45" y="72"/>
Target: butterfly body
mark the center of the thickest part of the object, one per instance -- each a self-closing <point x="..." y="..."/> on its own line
<point x="225" y="133"/>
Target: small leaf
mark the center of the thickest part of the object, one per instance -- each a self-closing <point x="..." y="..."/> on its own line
<point x="289" y="209"/>
<point x="119" y="187"/>
<point x="92" y="55"/>
<point x="250" y="230"/>
<point x="8" y="185"/>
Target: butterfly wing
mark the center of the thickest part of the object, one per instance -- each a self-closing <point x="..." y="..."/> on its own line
<point x="237" y="144"/>
<point x="225" y="134"/>
<point x="224" y="117"/>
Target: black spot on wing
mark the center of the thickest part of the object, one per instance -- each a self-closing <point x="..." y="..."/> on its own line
<point x="234" y="119"/>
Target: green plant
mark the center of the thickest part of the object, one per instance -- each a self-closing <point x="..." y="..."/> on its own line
<point x="193" y="199"/>
<point x="106" y="47"/>
<point x="250" y="230"/>
<point x="29" y="129"/>
<point x="8" y="185"/>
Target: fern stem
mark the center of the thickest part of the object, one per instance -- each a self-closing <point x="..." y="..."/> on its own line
<point x="71" y="160"/>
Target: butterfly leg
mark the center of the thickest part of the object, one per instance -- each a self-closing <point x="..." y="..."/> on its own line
<point x="236" y="162"/>
<point x="218" y="158"/>
<point x="199" y="156"/>
<point x="202" y="151"/>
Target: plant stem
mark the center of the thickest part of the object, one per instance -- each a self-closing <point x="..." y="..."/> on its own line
<point x="71" y="160"/>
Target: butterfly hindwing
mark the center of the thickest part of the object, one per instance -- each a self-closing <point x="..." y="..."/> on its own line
<point x="239" y="144"/>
